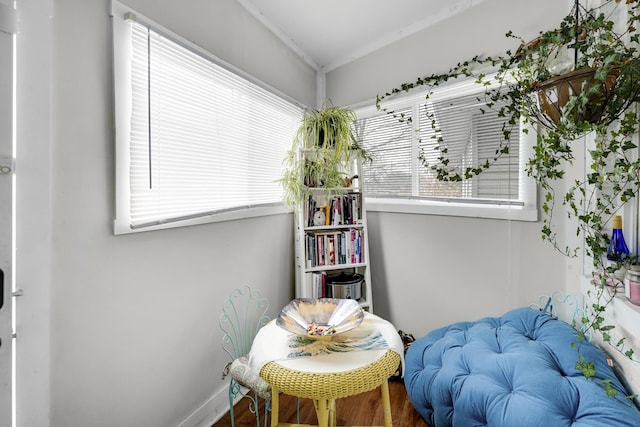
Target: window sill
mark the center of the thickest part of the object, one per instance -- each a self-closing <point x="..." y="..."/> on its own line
<point x="123" y="227"/>
<point x="625" y="317"/>
<point x="622" y="311"/>
<point x="429" y="207"/>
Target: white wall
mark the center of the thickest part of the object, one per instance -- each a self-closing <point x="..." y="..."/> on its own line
<point x="134" y="338"/>
<point x="134" y="335"/>
<point x="479" y="30"/>
<point x="427" y="270"/>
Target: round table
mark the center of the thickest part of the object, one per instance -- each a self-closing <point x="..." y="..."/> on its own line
<point x="325" y="377"/>
<point x="372" y="371"/>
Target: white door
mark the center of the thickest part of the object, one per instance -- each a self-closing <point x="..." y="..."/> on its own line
<point x="7" y="28"/>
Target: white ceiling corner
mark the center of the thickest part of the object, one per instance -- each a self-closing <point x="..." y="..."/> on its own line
<point x="329" y="33"/>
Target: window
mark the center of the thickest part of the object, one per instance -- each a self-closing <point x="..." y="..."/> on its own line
<point x="399" y="178"/>
<point x="195" y="141"/>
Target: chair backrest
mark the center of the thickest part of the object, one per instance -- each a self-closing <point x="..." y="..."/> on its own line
<point x="566" y="307"/>
<point x="243" y="314"/>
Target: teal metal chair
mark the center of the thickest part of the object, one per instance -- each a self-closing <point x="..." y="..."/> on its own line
<point x="243" y="314"/>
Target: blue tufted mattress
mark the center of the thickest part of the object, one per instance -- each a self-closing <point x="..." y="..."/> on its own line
<point x="517" y="370"/>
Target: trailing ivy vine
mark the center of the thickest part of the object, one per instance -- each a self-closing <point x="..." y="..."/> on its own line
<point x="597" y="56"/>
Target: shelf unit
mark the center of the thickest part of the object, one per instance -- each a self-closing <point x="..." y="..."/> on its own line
<point x="331" y="240"/>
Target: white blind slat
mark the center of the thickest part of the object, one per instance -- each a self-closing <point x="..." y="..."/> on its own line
<point x="389" y="143"/>
<point x="202" y="138"/>
<point x="470" y="136"/>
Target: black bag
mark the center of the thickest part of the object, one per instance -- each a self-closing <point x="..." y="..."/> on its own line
<point x="407" y="340"/>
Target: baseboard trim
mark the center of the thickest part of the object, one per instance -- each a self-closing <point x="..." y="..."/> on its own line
<point x="210" y="411"/>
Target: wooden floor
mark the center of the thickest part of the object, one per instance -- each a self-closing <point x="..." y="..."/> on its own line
<point x="361" y="410"/>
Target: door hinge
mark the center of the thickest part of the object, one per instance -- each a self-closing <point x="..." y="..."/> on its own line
<point x="7" y="165"/>
<point x="17" y="293"/>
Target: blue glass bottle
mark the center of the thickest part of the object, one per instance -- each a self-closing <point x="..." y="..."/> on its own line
<point x="618" y="250"/>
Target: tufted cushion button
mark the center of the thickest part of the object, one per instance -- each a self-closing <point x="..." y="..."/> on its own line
<point x="517" y="370"/>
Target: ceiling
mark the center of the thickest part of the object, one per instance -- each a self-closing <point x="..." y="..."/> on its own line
<point x="331" y="33"/>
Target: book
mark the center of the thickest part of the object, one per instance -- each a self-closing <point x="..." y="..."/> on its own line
<point x="319" y="284"/>
<point x="331" y="250"/>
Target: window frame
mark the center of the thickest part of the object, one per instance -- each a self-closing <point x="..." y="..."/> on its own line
<point x="122" y="106"/>
<point x="526" y="208"/>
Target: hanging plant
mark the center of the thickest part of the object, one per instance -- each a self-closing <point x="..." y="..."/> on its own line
<point x="581" y="78"/>
<point x="323" y="146"/>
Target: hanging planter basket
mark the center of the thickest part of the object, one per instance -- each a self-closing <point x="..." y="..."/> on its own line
<point x="554" y="94"/>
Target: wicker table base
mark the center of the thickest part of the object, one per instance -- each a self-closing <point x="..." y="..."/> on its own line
<point x="325" y="388"/>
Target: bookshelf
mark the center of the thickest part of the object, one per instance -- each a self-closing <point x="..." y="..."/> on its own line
<point x="331" y="247"/>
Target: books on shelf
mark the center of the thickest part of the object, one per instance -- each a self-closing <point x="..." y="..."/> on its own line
<point x="337" y="247"/>
<point x="319" y="284"/>
<point x="341" y="209"/>
<point x="331" y="228"/>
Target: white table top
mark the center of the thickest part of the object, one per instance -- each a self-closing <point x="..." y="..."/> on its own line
<point x="349" y="350"/>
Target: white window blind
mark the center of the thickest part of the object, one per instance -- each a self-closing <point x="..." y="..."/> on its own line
<point x="202" y="139"/>
<point x="400" y="148"/>
<point x="472" y="133"/>
<point x="391" y="147"/>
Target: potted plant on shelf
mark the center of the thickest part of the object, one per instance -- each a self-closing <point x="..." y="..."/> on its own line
<point x="581" y="78"/>
<point x="322" y="148"/>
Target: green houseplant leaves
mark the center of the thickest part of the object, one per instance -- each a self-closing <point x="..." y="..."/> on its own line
<point x="580" y="79"/>
<point x="323" y="146"/>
